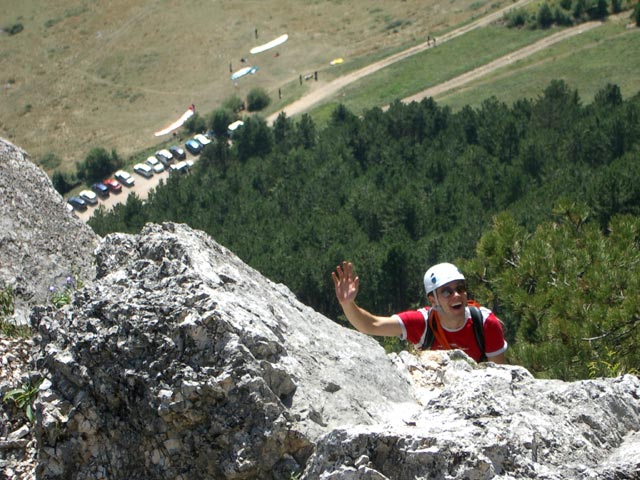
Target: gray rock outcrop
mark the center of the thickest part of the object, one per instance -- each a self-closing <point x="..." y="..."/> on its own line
<point x="41" y="243"/>
<point x="180" y="361"/>
<point x="493" y="423"/>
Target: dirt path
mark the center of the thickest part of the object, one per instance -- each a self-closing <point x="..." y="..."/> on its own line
<point x="501" y="62"/>
<point x="328" y="89"/>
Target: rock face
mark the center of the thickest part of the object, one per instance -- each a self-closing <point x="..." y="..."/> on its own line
<point x="499" y="422"/>
<point x="41" y="244"/>
<point x="182" y="362"/>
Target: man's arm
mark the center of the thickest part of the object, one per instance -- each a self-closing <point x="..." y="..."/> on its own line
<point x="500" y="358"/>
<point x="346" y="285"/>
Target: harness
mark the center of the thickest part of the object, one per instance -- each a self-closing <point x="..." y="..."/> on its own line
<point x="478" y="329"/>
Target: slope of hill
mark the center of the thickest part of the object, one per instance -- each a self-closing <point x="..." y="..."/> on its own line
<point x="85" y="74"/>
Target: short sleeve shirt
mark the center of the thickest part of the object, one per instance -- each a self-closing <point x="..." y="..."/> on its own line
<point x="413" y="323"/>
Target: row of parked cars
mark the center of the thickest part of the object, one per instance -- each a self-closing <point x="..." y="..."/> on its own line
<point x="99" y="190"/>
<point x="158" y="163"/>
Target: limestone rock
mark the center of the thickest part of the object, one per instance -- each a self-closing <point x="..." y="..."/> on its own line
<point x="41" y="244"/>
<point x="493" y="422"/>
<point x="182" y="360"/>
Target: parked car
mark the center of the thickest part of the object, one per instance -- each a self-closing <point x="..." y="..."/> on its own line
<point x="234" y="126"/>
<point x="143" y="169"/>
<point x="113" y="185"/>
<point x="193" y="146"/>
<point x="125" y="178"/>
<point x="177" y="152"/>
<point x="101" y="189"/>
<point x="165" y="157"/>
<point x="182" y="167"/>
<point x="77" y="203"/>
<point x="155" y="164"/>
<point x="88" y="196"/>
<point x="202" y="140"/>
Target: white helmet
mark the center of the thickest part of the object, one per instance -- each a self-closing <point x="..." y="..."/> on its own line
<point x="439" y="275"/>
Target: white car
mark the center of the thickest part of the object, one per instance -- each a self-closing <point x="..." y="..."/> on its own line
<point x="234" y="126"/>
<point x="182" y="167"/>
<point x="165" y="157"/>
<point x="155" y="164"/>
<point x="88" y="196"/>
<point x="201" y="139"/>
<point x="124" y="178"/>
<point x="143" y="169"/>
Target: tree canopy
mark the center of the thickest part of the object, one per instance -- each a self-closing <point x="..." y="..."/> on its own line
<point x="537" y="200"/>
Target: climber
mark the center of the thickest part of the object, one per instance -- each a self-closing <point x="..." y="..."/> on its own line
<point x="450" y="322"/>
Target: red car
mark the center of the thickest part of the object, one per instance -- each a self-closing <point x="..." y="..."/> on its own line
<point x="113" y="185"/>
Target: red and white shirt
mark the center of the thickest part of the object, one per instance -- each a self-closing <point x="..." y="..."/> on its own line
<point x="414" y="323"/>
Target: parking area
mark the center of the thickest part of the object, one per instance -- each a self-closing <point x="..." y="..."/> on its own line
<point x="141" y="188"/>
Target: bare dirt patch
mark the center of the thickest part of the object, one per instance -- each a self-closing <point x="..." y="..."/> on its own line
<point x="142" y="188"/>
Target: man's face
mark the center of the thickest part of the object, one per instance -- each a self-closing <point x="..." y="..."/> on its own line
<point x="452" y="297"/>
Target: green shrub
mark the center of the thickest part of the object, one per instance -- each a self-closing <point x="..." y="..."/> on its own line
<point x="6" y="303"/>
<point x="24" y="397"/>
<point x="517" y="18"/>
<point x="545" y="16"/>
<point x="195" y="124"/>
<point x="98" y="165"/>
<point x="562" y="18"/>
<point x="233" y="103"/>
<point x="257" y="99"/>
<point x="220" y="120"/>
<point x="63" y="182"/>
<point x="61" y="296"/>
<point x="50" y="161"/>
<point x="14" y="29"/>
<point x="565" y="4"/>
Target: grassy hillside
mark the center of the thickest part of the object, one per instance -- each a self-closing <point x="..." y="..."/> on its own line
<point x="84" y="73"/>
<point x="587" y="62"/>
<point x="607" y="54"/>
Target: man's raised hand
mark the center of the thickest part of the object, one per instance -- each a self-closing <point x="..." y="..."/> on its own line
<point x="345" y="282"/>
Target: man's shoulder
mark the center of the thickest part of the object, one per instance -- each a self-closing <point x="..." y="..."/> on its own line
<point x="413" y="314"/>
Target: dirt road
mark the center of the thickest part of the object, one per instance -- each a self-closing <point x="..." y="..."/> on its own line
<point x="501" y="62"/>
<point x="324" y="91"/>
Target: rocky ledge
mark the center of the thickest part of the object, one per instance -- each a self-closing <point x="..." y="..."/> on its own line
<point x="182" y="362"/>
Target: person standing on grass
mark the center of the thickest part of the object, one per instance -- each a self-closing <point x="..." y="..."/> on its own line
<point x="446" y="324"/>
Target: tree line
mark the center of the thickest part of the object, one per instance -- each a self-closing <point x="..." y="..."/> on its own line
<point x="568" y="12"/>
<point x="537" y="201"/>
